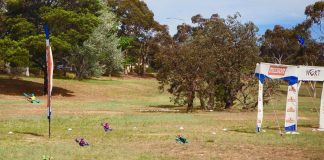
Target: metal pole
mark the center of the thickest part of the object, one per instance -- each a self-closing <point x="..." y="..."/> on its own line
<point x="49" y="127"/>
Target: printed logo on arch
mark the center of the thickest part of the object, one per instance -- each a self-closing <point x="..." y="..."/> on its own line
<point x="277" y="70"/>
<point x="290" y="120"/>
<point x="291" y="109"/>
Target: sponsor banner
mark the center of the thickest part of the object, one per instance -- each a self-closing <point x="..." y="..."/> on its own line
<point x="304" y="73"/>
<point x="276" y="71"/>
<point x="310" y="73"/>
<point x="321" y="124"/>
<point x="291" y="108"/>
<point x="260" y="107"/>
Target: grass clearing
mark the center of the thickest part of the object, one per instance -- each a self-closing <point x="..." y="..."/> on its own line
<point x="84" y="105"/>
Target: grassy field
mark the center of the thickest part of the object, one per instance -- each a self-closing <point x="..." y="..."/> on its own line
<point x="84" y="105"/>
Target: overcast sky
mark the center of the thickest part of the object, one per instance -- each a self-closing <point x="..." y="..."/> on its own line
<point x="264" y="13"/>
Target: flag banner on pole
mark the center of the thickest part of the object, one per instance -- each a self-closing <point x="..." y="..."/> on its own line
<point x="291" y="108"/>
<point x="50" y="67"/>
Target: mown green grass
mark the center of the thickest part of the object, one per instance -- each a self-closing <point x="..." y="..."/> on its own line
<point x="147" y="135"/>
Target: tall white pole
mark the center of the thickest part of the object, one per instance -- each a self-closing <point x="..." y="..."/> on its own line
<point x="260" y="107"/>
<point x="321" y="121"/>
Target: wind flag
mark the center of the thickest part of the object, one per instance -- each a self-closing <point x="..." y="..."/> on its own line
<point x="301" y="40"/>
<point x="50" y="66"/>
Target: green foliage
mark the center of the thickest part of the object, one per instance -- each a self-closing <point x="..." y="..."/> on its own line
<point x="12" y="52"/>
<point x="135" y="16"/>
<point x="78" y="34"/>
<point x="100" y="53"/>
<point x="73" y="27"/>
<point x="213" y="73"/>
<point x="137" y="29"/>
<point x="18" y="28"/>
<point x="86" y="63"/>
<point x="126" y="42"/>
<point x="315" y="15"/>
<point x="281" y="46"/>
<point x="35" y="45"/>
<point x="81" y="6"/>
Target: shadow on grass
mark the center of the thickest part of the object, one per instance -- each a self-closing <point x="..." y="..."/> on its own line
<point x="17" y="87"/>
<point x="243" y="130"/>
<point x="166" y="106"/>
<point x="307" y="125"/>
<point x="283" y="128"/>
<point x="30" y="133"/>
<point x="253" y="131"/>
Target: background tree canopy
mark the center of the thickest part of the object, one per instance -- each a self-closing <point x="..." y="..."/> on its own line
<point x="212" y="60"/>
<point x="74" y="25"/>
<point x="215" y="73"/>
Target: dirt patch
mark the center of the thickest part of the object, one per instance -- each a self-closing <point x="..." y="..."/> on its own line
<point x="32" y="109"/>
<point x="86" y="112"/>
<point x="198" y="150"/>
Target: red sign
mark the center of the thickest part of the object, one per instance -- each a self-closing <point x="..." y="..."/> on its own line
<point x="291" y="99"/>
<point x="277" y="70"/>
<point x="292" y="89"/>
<point x="290" y="120"/>
<point x="291" y="109"/>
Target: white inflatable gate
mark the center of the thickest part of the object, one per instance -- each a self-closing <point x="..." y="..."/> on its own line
<point x="291" y="74"/>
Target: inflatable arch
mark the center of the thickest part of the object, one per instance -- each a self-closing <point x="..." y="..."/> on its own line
<point x="291" y="74"/>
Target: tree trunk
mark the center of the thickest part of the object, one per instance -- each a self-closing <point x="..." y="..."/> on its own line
<point x="228" y="99"/>
<point x="110" y="76"/>
<point x="141" y="69"/>
<point x="27" y="71"/>
<point x="131" y="68"/>
<point x="191" y="98"/>
<point x="211" y="101"/>
<point x="314" y="89"/>
<point x="79" y="75"/>
<point x="8" y="68"/>
<point x="228" y="103"/>
<point x="202" y="101"/>
<point x="125" y="69"/>
<point x="125" y="65"/>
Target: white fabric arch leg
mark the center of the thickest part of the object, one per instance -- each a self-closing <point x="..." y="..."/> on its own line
<point x="260" y="107"/>
<point x="321" y="121"/>
<point x="291" y="108"/>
